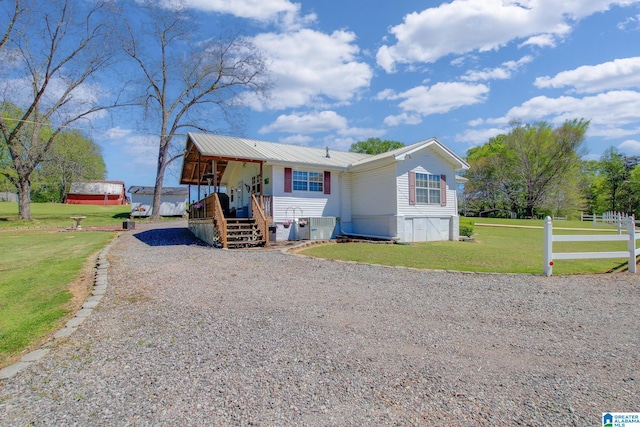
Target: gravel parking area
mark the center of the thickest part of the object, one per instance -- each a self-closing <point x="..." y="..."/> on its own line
<point x="191" y="335"/>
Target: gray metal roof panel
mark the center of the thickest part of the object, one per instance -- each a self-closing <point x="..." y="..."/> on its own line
<point x="97" y="187"/>
<point x="225" y="146"/>
<point x="166" y="191"/>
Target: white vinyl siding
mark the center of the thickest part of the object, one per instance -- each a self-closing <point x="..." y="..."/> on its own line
<point x="374" y="191"/>
<point x="429" y="164"/>
<point x="300" y="203"/>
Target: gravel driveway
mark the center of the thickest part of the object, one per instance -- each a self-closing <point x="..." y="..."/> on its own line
<point x="191" y="335"/>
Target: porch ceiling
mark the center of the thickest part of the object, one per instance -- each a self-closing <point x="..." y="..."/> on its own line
<point x="196" y="168"/>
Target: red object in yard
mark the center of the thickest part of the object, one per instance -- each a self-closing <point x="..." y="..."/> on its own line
<point x="97" y="193"/>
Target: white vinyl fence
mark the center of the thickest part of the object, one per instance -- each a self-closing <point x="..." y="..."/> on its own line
<point x="630" y="237"/>
<point x="609" y="218"/>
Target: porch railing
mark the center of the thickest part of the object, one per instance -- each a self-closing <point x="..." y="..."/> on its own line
<point x="261" y="219"/>
<point x="210" y="207"/>
<point x="218" y="218"/>
<point x="267" y="206"/>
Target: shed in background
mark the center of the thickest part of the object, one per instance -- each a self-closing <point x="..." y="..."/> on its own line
<point x="97" y="193"/>
<point x="7" y="196"/>
<point x="173" y="201"/>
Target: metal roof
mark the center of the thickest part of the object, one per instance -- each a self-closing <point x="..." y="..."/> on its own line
<point x="203" y="151"/>
<point x="400" y="153"/>
<point x="97" y="187"/>
<point x="272" y="152"/>
<point x="166" y="191"/>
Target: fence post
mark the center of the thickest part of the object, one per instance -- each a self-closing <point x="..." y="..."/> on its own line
<point x="547" y="268"/>
<point x="631" y="245"/>
<point x="619" y="221"/>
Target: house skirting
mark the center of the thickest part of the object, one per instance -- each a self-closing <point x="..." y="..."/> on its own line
<point x="408" y="228"/>
<point x="428" y="228"/>
<point x="205" y="230"/>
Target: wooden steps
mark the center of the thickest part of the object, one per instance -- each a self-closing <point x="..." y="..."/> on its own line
<point x="243" y="232"/>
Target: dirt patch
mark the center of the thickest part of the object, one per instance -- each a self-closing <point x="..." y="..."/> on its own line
<point x="81" y="287"/>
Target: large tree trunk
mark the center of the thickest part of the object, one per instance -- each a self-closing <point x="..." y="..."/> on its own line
<point x="528" y="210"/>
<point x="24" y="199"/>
<point x="157" y="192"/>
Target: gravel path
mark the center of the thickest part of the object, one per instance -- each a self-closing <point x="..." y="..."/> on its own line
<point x="191" y="335"/>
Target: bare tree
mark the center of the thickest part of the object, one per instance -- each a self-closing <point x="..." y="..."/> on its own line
<point x="12" y="18"/>
<point x="57" y="50"/>
<point x="188" y="83"/>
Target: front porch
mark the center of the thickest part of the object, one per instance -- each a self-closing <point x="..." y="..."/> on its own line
<point x="211" y="220"/>
<point x="234" y="212"/>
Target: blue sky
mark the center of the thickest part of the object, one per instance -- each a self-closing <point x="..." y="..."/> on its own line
<point x="345" y="71"/>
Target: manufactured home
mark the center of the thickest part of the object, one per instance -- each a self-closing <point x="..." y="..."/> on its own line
<point x="251" y="191"/>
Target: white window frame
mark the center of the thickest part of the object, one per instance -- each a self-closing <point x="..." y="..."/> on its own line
<point x="307" y="181"/>
<point x="428" y="189"/>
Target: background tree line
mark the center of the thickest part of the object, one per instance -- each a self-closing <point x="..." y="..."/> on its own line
<point x="537" y="169"/>
<point x="72" y="157"/>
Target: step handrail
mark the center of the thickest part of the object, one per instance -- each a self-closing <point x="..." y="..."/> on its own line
<point x="261" y="219"/>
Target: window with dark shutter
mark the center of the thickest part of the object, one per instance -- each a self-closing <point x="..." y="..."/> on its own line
<point x="443" y="190"/>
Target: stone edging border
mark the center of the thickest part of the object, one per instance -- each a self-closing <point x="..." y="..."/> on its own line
<point x="99" y="288"/>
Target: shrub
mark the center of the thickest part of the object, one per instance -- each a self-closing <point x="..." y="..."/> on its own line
<point x="466" y="227"/>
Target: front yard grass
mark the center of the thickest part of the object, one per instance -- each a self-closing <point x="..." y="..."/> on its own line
<point x="42" y="269"/>
<point x="37" y="271"/>
<point x="494" y="250"/>
<point x="58" y="215"/>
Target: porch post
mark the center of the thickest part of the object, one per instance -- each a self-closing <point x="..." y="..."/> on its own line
<point x="199" y="157"/>
<point x="261" y="181"/>
<point x="215" y="176"/>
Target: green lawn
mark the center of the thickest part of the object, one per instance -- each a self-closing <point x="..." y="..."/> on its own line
<point x="38" y="265"/>
<point x="495" y="249"/>
<point x="58" y="215"/>
<point x="36" y="270"/>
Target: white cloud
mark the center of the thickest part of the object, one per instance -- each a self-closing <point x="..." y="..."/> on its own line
<point x="323" y="121"/>
<point x="630" y="24"/>
<point x="135" y="151"/>
<point x="617" y="74"/>
<point x="479" y="136"/>
<point x="340" y="144"/>
<point x="630" y="145"/>
<point x="616" y="108"/>
<point x="435" y="32"/>
<point x="308" y="66"/>
<point x="296" y="140"/>
<point x="116" y="133"/>
<point x="611" y="113"/>
<point x="476" y="122"/>
<point x="502" y="72"/>
<point x="81" y="99"/>
<point x="543" y="40"/>
<point x="612" y="132"/>
<point x="283" y="12"/>
<point x="437" y="99"/>
<point x="403" y="119"/>
<point x="144" y="148"/>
